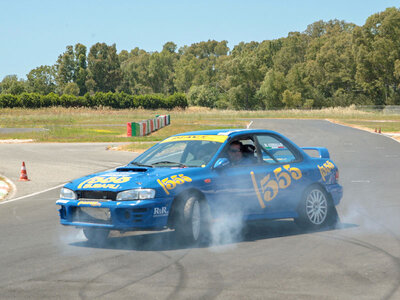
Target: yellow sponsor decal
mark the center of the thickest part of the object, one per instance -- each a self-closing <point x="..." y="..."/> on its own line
<point x="111" y="182"/>
<point x="91" y="203"/>
<point x="253" y="178"/>
<point x="210" y="138"/>
<point x="270" y="185"/>
<point x="325" y="169"/>
<point x="169" y="183"/>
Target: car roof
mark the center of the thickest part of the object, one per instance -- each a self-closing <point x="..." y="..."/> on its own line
<point x="228" y="132"/>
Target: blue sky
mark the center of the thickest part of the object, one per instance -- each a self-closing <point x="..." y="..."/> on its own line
<point x="34" y="32"/>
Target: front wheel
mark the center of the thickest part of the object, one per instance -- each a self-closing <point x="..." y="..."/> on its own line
<point x="191" y="224"/>
<point x="316" y="210"/>
<point x="96" y="236"/>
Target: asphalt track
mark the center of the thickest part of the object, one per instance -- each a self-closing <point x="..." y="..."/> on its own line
<point x="40" y="259"/>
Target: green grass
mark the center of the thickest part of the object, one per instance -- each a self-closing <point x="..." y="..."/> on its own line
<point x="109" y="125"/>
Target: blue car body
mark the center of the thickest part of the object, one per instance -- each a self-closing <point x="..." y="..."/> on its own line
<point x="264" y="190"/>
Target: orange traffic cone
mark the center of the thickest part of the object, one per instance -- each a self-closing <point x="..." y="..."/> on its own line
<point x="376" y="131"/>
<point x="23" y="176"/>
<point x="380" y="130"/>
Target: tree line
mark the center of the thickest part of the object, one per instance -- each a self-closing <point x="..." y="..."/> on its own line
<point x="99" y="99"/>
<point x="332" y="63"/>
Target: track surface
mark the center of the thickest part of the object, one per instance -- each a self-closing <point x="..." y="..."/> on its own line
<point x="40" y="259"/>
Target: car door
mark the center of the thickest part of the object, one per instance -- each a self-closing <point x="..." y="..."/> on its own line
<point x="277" y="180"/>
<point x="234" y="189"/>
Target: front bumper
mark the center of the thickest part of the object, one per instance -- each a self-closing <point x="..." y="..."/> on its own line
<point x="115" y="215"/>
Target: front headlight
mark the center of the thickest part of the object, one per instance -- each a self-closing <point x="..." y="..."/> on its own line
<point x="136" y="194"/>
<point x="67" y="194"/>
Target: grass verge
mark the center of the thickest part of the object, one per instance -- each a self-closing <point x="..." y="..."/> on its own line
<point x="109" y="125"/>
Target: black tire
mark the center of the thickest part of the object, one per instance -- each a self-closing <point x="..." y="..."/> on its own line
<point x="191" y="220"/>
<point x="316" y="210"/>
<point x="96" y="236"/>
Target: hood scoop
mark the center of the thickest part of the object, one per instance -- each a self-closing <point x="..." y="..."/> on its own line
<point x="131" y="169"/>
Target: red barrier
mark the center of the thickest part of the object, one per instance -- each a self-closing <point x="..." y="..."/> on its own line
<point x="129" y="129"/>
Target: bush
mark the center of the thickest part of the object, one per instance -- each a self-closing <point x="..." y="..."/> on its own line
<point x="153" y="101"/>
<point x="50" y="100"/>
<point x="113" y="100"/>
<point x="177" y="100"/>
<point x="30" y="100"/>
<point x="8" y="100"/>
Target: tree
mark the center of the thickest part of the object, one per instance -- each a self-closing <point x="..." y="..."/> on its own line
<point x="161" y="69"/>
<point x="135" y="72"/>
<point x="272" y="88"/>
<point x="71" y="89"/>
<point x="291" y="100"/>
<point x="244" y="74"/>
<point x="81" y="68"/>
<point x="65" y="68"/>
<point x="11" y="85"/>
<point x="104" y="67"/>
<point x="71" y="67"/>
<point x="199" y="64"/>
<point x="203" y="96"/>
<point x="293" y="51"/>
<point x="377" y="47"/>
<point x="42" y="80"/>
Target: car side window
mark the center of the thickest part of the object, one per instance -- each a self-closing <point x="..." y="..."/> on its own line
<point x="241" y="152"/>
<point x="274" y="151"/>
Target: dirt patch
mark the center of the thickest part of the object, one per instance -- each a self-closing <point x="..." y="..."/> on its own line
<point x="393" y="135"/>
<point x="16" y="141"/>
<point x="351" y="125"/>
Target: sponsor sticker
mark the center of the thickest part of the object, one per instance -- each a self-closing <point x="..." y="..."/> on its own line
<point x="91" y="203"/>
<point x="160" y="211"/>
<point x="210" y="138"/>
<point x="104" y="182"/>
<point x="325" y="169"/>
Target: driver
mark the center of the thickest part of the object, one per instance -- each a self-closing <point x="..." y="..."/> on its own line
<point x="236" y="155"/>
<point x="235" y="152"/>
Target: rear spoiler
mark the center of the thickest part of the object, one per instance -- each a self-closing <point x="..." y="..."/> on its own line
<point x="323" y="152"/>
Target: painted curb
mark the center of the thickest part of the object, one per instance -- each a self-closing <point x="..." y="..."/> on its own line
<point x="7" y="188"/>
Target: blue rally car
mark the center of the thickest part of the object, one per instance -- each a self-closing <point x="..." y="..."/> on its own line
<point x="187" y="181"/>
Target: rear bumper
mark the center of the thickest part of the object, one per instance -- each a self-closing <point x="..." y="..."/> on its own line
<point x="336" y="191"/>
<point x="114" y="215"/>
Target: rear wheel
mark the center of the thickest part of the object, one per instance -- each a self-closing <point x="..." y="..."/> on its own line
<point x="191" y="221"/>
<point x="316" y="210"/>
<point x="96" y="235"/>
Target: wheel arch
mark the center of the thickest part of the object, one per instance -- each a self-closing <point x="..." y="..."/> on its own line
<point x="178" y="200"/>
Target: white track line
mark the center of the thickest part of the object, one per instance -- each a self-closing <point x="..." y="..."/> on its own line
<point x="248" y="126"/>
<point x="33" y="194"/>
<point x="53" y="188"/>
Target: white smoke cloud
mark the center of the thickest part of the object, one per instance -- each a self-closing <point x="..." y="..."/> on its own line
<point x="225" y="232"/>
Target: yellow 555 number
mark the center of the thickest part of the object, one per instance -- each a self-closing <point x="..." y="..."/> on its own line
<point x="270" y="186"/>
<point x="169" y="183"/>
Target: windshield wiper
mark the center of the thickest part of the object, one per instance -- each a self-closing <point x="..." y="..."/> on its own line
<point x="140" y="165"/>
<point x="169" y="162"/>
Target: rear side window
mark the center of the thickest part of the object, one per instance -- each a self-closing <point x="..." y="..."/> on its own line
<point x="275" y="151"/>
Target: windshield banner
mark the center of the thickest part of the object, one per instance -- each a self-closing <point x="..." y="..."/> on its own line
<point x="210" y="138"/>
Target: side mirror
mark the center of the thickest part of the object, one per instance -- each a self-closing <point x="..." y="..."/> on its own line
<point x="221" y="163"/>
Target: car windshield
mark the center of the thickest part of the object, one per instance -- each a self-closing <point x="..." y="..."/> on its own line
<point x="182" y="151"/>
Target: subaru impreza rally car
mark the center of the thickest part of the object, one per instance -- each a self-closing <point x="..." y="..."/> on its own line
<point x="187" y="181"/>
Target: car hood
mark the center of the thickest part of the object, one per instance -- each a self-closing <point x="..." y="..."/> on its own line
<point x="123" y="178"/>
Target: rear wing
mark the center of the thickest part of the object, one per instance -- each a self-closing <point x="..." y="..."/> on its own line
<point x="322" y="152"/>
